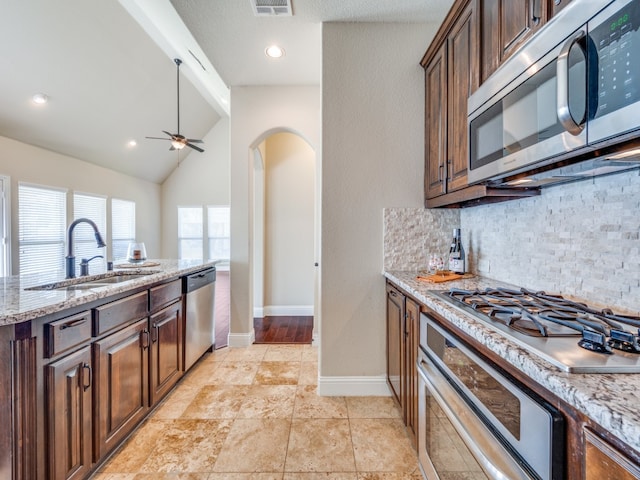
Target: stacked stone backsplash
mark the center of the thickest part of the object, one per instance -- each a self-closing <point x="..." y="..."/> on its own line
<point x="412" y="234"/>
<point x="580" y="239"/>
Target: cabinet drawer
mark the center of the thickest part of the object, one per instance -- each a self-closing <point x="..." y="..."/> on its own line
<point x="163" y="295"/>
<point x="114" y="314"/>
<point x="66" y="333"/>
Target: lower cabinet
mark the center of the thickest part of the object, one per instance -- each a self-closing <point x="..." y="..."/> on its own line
<point x="403" y="320"/>
<point x="603" y="461"/>
<point x="68" y="387"/>
<point x="166" y="351"/>
<point x="121" y="389"/>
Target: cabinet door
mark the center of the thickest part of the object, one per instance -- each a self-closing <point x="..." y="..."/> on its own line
<point x="68" y="390"/>
<point x="121" y="364"/>
<point x="604" y="462"/>
<point x="462" y="80"/>
<point x="506" y="25"/>
<point x="395" y="334"/>
<point x="166" y="350"/>
<point x="412" y="339"/>
<point x="435" y="125"/>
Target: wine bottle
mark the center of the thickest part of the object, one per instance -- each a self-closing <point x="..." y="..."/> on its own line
<point x="456" y="253"/>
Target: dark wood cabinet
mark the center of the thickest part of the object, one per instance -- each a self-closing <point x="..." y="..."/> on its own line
<point x="403" y="320"/>
<point x="505" y="26"/>
<point x="410" y="355"/>
<point x="121" y="388"/>
<point x="166" y="350"/>
<point x="602" y="461"/>
<point x="68" y="391"/>
<point x="451" y="75"/>
<point x="395" y="329"/>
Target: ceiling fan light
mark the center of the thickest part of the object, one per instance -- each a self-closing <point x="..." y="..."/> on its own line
<point x="274" y="51"/>
<point x="40" y="98"/>
<point x="177" y="145"/>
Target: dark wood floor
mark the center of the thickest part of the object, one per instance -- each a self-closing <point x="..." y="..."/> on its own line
<point x="283" y="329"/>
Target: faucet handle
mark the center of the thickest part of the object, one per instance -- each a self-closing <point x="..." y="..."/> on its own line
<point x="84" y="265"/>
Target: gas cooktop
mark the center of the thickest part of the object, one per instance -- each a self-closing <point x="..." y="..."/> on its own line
<point x="571" y="335"/>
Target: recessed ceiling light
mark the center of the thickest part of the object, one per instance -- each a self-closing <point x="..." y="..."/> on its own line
<point x="40" y="98"/>
<point x="274" y="51"/>
<point x="132" y="143"/>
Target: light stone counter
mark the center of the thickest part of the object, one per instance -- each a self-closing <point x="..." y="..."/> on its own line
<point x="19" y="305"/>
<point x="610" y="400"/>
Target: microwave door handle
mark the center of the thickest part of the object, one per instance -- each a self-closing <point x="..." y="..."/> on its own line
<point x="562" y="76"/>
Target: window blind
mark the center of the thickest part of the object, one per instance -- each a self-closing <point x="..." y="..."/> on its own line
<point x="94" y="208"/>
<point x="123" y="227"/>
<point x="42" y="224"/>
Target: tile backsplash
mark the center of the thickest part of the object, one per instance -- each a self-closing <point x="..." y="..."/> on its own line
<point x="580" y="239"/>
<point x="412" y="234"/>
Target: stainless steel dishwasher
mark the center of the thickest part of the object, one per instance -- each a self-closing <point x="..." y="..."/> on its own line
<point x="199" y="333"/>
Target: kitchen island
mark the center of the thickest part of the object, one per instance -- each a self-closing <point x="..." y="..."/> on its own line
<point x="608" y="401"/>
<point x="83" y="361"/>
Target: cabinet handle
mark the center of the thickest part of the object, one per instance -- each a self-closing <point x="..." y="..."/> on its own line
<point x="87" y="376"/>
<point x="74" y="323"/>
<point x="392" y="293"/>
<point x="155" y="333"/>
<point x="440" y="168"/>
<point x="536" y="12"/>
<point x="144" y="339"/>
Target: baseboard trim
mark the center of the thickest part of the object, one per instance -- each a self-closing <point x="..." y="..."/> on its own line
<point x="374" y="386"/>
<point x="241" y="339"/>
<point x="283" y="311"/>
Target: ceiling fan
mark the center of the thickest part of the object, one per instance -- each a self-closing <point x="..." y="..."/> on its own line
<point x="178" y="142"/>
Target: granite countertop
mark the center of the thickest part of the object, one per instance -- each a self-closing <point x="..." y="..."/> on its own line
<point x="610" y="400"/>
<point x="19" y="305"/>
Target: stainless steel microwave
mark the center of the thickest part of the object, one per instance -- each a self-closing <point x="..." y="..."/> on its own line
<point x="571" y="90"/>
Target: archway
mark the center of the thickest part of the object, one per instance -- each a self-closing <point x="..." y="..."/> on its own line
<point x="285" y="232"/>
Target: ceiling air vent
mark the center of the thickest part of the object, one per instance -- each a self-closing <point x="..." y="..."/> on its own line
<point x="271" y="8"/>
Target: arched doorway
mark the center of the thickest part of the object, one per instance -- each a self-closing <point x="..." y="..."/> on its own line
<point x="284" y="238"/>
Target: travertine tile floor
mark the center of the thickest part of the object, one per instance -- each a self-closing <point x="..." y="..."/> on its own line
<point x="253" y="414"/>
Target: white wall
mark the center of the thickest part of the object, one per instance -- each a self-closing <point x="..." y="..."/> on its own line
<point x="200" y="179"/>
<point x="258" y="112"/>
<point x="289" y="226"/>
<point x="27" y="163"/>
<point x="372" y="157"/>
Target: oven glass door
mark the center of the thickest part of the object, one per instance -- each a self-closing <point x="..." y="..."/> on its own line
<point x="511" y="432"/>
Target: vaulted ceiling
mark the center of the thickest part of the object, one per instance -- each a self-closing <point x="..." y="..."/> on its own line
<point x="110" y="75"/>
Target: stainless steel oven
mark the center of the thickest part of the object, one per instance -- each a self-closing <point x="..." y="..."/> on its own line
<point x="475" y="421"/>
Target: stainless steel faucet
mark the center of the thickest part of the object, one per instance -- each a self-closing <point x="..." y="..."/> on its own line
<point x="70" y="258"/>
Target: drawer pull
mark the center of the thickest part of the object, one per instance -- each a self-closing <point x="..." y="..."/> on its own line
<point x="74" y="323"/>
<point x="144" y="339"/>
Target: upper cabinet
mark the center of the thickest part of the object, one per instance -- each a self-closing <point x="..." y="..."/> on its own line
<point x="452" y="74"/>
<point x="506" y="25"/>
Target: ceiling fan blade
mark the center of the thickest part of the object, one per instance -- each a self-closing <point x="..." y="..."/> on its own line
<point x="172" y="148"/>
<point x="194" y="140"/>
<point x="194" y="147"/>
<point x="170" y="134"/>
<point x="158" y="138"/>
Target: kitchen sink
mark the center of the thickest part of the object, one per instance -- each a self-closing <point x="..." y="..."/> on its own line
<point x="93" y="281"/>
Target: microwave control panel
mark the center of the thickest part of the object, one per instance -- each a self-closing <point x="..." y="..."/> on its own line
<point x="617" y="41"/>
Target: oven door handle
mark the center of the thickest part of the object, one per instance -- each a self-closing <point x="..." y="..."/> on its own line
<point x="492" y="456"/>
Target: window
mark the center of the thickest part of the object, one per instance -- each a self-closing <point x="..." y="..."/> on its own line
<point x="190" y="233"/>
<point x="94" y="208"/>
<point x="123" y="227"/>
<point x="219" y="233"/>
<point x="42" y="224"/>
